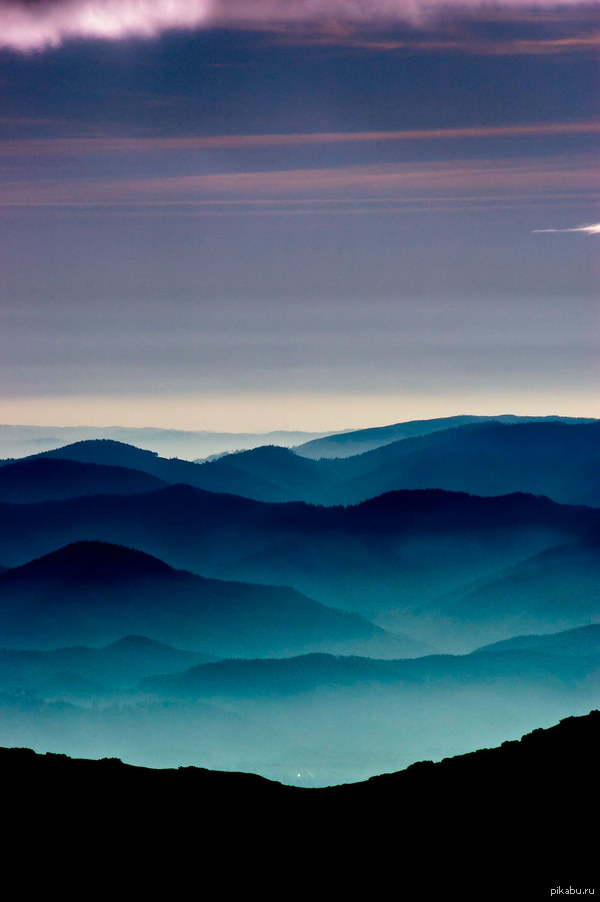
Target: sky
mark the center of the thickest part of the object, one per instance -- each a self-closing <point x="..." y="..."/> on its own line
<point x="302" y="214"/>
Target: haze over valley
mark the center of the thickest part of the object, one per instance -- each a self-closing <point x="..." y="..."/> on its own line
<point x="141" y="597"/>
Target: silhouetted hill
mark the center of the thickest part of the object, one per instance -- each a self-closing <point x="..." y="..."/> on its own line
<point x="88" y="563"/>
<point x="43" y="479"/>
<point x="583" y="640"/>
<point x="112" y="453"/>
<point x="493" y="820"/>
<point x="346" y="444"/>
<point x="95" y="592"/>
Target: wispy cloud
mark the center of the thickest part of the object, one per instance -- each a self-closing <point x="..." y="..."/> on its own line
<point x="46" y="147"/>
<point x="593" y="229"/>
<point x="464" y="181"/>
<point x="465" y="43"/>
<point x="27" y="25"/>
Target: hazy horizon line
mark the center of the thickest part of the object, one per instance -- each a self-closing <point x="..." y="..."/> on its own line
<point x="308" y="428"/>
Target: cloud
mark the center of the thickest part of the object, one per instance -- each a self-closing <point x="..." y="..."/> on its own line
<point x="466" y="43"/>
<point x="435" y="183"/>
<point x="27" y="25"/>
<point x="593" y="229"/>
<point x="48" y="23"/>
<point x="81" y="146"/>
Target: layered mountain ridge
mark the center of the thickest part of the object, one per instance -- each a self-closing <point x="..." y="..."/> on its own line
<point x="547" y="457"/>
<point x="313" y="620"/>
<point x="98" y="592"/>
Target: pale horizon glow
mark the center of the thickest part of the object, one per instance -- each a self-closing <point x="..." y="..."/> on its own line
<point x="250" y="231"/>
<point x="310" y="412"/>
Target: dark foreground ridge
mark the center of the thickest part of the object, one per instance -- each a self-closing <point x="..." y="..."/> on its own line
<point x="516" y="820"/>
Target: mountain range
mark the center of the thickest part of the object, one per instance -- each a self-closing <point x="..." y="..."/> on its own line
<point x="90" y="672"/>
<point x="348" y="444"/>
<point x="307" y="672"/>
<point x="47" y="479"/>
<point x="309" y="720"/>
<point x="584" y="640"/>
<point x="401" y="554"/>
<point x="22" y="441"/>
<point x="315" y="620"/>
<point x="557" y="459"/>
<point x="97" y="592"/>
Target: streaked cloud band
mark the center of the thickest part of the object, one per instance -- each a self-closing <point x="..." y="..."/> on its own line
<point x="437" y="180"/>
<point x="26" y="147"/>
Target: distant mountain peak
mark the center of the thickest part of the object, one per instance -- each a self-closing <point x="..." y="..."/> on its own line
<point x="94" y="559"/>
<point x="93" y="445"/>
<point x="269" y="451"/>
<point x="133" y="642"/>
